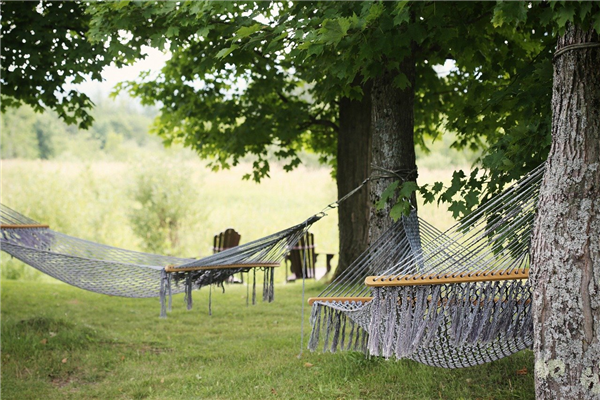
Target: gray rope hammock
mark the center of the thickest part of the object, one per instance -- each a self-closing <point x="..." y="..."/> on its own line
<point x="118" y="272"/>
<point x="450" y="299"/>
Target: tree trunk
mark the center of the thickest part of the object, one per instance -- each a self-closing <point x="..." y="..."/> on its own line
<point x="353" y="167"/>
<point x="393" y="146"/>
<point x="565" y="246"/>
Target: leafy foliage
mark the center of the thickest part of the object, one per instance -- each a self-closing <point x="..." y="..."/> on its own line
<point x="223" y="101"/>
<point x="296" y="60"/>
<point x="245" y="78"/>
<point x="164" y="196"/>
<point x="44" y="47"/>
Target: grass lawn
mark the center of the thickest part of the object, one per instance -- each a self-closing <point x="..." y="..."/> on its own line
<point x="60" y="342"/>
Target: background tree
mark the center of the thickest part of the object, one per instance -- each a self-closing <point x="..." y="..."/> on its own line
<point x="302" y="63"/>
<point x="45" y="47"/>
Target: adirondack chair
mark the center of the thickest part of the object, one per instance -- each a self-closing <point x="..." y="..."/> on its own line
<point x="303" y="255"/>
<point x="225" y="240"/>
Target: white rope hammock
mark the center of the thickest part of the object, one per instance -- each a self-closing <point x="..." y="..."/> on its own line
<point x="452" y="299"/>
<point x="118" y="272"/>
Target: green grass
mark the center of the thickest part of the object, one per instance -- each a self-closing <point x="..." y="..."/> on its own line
<point x="60" y="342"/>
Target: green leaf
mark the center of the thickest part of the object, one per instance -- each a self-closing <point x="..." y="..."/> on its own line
<point x="401" y="208"/>
<point x="225" y="52"/>
<point x="246" y="31"/>
<point x="458" y="208"/>
<point x="564" y="14"/>
<point x="172" y="31"/>
<point x="402" y="12"/>
<point x="333" y="31"/>
<point x="407" y="189"/>
<point x="401" y="81"/>
<point x="428" y="196"/>
<point x="472" y="199"/>
<point x="204" y="31"/>
<point x="509" y="12"/>
<point x="121" y="4"/>
<point x="387" y="194"/>
<point x="375" y="11"/>
<point x="596" y="24"/>
<point x="438" y="186"/>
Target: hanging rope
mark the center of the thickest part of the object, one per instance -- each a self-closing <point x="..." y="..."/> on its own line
<point x="304" y="264"/>
<point x="574" y="46"/>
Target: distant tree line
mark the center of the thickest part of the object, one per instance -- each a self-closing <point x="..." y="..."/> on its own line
<point x="29" y="135"/>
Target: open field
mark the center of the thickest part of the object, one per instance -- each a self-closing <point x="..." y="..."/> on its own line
<point x="93" y="201"/>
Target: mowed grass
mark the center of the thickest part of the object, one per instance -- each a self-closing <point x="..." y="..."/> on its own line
<point x="60" y="342"/>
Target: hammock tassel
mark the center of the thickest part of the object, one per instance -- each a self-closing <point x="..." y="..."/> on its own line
<point x="210" y="300"/>
<point x="247" y="289"/>
<point x="254" y="286"/>
<point x="170" y="293"/>
<point x="266" y="284"/>
<point x="375" y="322"/>
<point x="337" y="325"/>
<point x="162" y="293"/>
<point x="315" y="323"/>
<point x="188" y="290"/>
<point x="272" y="286"/>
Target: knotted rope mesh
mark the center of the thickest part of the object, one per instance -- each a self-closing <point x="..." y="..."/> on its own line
<point x="471" y="314"/>
<point x="118" y="272"/>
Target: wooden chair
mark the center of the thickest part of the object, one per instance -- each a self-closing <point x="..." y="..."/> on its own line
<point x="225" y="240"/>
<point x="303" y="255"/>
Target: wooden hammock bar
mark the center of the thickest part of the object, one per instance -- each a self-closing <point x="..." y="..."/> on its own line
<point x="365" y="300"/>
<point x="311" y="300"/>
<point x="22" y="226"/>
<point x="171" y="268"/>
<point x="436" y="279"/>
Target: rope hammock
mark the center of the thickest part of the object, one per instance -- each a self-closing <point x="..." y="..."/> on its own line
<point x="449" y="299"/>
<point x="118" y="272"/>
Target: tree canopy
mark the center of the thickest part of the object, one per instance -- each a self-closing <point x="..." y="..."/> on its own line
<point x="245" y="78"/>
<point x="45" y="46"/>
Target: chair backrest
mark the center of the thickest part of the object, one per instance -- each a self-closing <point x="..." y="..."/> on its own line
<point x="303" y="253"/>
<point x="225" y="240"/>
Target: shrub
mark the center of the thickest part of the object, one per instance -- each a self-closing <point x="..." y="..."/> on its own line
<point x="165" y="204"/>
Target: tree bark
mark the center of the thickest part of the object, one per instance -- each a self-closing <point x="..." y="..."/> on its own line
<point x="393" y="146"/>
<point x="565" y="246"/>
<point x="353" y="167"/>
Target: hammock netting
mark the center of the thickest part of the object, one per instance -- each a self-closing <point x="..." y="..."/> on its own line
<point x="118" y="272"/>
<point x="450" y="299"/>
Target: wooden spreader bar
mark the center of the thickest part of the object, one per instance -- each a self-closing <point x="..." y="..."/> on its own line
<point x="436" y="279"/>
<point x="171" y="268"/>
<point x="311" y="300"/>
<point x="22" y="226"/>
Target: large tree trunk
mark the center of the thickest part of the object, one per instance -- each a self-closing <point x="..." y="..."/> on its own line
<point x="393" y="146"/>
<point x="565" y="247"/>
<point x="353" y="167"/>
